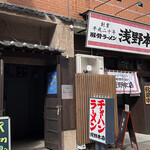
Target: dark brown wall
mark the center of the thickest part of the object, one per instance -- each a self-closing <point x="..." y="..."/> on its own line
<point x="68" y="105"/>
<point x="141" y="113"/>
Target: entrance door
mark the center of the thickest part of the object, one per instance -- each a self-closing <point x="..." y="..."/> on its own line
<point x="24" y="92"/>
<point x="53" y="110"/>
<point x="1" y="86"/>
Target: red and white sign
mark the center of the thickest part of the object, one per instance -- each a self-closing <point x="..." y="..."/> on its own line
<point x="97" y="128"/>
<point x="115" y="34"/>
<point x="126" y="82"/>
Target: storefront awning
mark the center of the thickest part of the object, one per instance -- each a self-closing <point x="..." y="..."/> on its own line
<point x="34" y="47"/>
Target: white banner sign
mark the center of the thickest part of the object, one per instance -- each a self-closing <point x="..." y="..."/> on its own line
<point x="126" y="82"/>
<point x="97" y="130"/>
<point x="117" y="35"/>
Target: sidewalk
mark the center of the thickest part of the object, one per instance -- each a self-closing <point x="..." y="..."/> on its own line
<point x="31" y="144"/>
<point x="28" y="144"/>
<point x="143" y="141"/>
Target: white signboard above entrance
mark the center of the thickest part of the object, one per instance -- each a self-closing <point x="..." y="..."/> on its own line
<point x="109" y="33"/>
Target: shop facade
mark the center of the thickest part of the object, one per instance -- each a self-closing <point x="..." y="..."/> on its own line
<point x="37" y="47"/>
<point x="113" y="38"/>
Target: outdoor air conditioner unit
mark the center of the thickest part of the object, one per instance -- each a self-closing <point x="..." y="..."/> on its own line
<point x="89" y="64"/>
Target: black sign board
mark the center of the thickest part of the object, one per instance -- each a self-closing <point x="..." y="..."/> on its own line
<point x="123" y="125"/>
<point x="5" y="133"/>
<point x="126" y="123"/>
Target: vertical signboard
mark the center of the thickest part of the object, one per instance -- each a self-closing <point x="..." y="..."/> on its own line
<point x="101" y="120"/>
<point x="5" y="133"/>
<point x="97" y="130"/>
<point x="147" y="94"/>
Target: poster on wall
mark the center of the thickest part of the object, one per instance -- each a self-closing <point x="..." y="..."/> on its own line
<point x="111" y="33"/>
<point x="147" y="94"/>
<point x="52" y="83"/>
<point x="126" y="82"/>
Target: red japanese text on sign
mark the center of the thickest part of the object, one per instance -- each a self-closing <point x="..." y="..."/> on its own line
<point x="97" y="118"/>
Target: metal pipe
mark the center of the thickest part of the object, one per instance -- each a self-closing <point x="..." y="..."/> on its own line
<point x="101" y="4"/>
<point x="141" y="16"/>
<point x="138" y="3"/>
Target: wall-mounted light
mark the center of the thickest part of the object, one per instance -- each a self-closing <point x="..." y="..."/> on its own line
<point x="67" y="56"/>
<point x="71" y="27"/>
<point x="104" y="3"/>
<point x="140" y="4"/>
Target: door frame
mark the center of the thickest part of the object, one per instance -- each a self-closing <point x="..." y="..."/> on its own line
<point x="48" y="62"/>
<point x="1" y="86"/>
<point x="53" y="102"/>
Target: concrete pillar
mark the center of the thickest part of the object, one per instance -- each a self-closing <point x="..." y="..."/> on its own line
<point x="63" y="37"/>
<point x="69" y="140"/>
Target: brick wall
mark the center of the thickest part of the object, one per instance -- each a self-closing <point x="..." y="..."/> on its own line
<point x="78" y="6"/>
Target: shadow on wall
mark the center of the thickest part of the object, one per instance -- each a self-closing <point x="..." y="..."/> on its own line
<point x="25" y="3"/>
